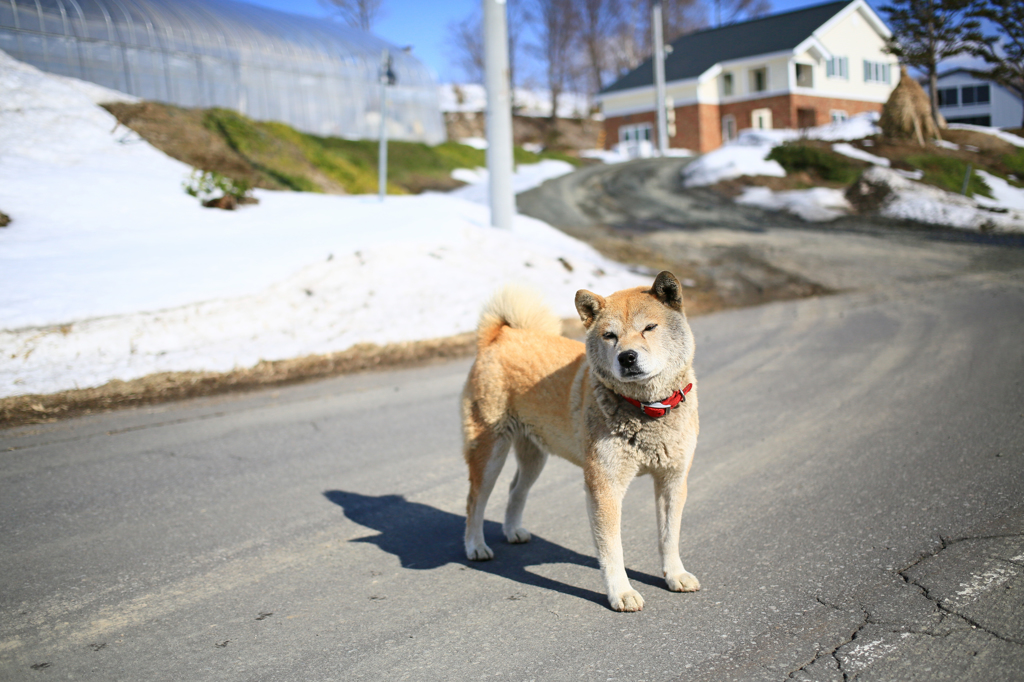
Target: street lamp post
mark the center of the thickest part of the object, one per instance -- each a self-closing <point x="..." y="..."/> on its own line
<point x="387" y="77"/>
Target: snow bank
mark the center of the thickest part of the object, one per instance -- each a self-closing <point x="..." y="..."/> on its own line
<point x="110" y="271"/>
<point x="995" y="132"/>
<point x="909" y="200"/>
<point x="527" y="176"/>
<point x="731" y="161"/>
<point x="1005" y="195"/>
<point x="818" y="204"/>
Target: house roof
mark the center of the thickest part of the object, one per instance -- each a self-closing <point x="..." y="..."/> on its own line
<point x="694" y="53"/>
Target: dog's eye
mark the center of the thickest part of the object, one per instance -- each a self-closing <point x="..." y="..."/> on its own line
<point x="650" y="327"/>
<point x="610" y="336"/>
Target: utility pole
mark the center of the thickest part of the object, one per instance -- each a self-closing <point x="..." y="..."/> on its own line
<point x="499" y="113"/>
<point x="387" y="77"/>
<point x="659" y="79"/>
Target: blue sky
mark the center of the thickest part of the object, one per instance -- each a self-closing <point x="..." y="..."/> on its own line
<point x="424" y="25"/>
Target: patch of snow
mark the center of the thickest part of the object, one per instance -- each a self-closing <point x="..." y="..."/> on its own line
<point x="1004" y="194"/>
<point x="910" y="175"/>
<point x="818" y="204"/>
<point x="110" y="271"/>
<point x="847" y="149"/>
<point x="945" y="144"/>
<point x="910" y="200"/>
<point x="527" y="176"/>
<point x="623" y="152"/>
<point x="474" y="142"/>
<point x="731" y="161"/>
<point x="995" y="132"/>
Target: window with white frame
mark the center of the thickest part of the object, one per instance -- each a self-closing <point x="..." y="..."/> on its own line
<point x="727" y="85"/>
<point x="728" y="128"/>
<point x="838" y="67"/>
<point x="876" y="72"/>
<point x="638" y="132"/>
<point x="838" y="115"/>
<point x="761" y="119"/>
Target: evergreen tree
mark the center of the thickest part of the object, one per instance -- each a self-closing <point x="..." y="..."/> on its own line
<point x="1004" y="53"/>
<point x="925" y="32"/>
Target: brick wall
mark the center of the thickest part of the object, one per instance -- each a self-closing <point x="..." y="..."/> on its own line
<point x="699" y="126"/>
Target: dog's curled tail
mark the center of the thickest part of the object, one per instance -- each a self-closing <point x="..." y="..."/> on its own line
<point x="519" y="307"/>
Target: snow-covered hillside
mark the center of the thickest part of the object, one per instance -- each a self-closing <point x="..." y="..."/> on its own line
<point x="109" y="270"/>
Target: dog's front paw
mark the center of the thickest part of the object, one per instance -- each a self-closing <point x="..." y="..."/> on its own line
<point x="683" y="582"/>
<point x="478" y="552"/>
<point x="517" y="535"/>
<point x="630" y="600"/>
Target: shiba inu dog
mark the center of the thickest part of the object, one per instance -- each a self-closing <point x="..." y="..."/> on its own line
<point x="622" y="405"/>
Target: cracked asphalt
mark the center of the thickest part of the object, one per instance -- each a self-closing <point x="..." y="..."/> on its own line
<point x="856" y="512"/>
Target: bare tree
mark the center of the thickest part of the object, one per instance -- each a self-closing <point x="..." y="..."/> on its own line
<point x="466" y="39"/>
<point x="731" y="11"/>
<point x="632" y="44"/>
<point x="557" y="24"/>
<point x="467" y="43"/>
<point x="599" y="20"/>
<point x="356" y="13"/>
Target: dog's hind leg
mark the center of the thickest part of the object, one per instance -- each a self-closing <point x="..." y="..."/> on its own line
<point x="531" y="460"/>
<point x="485" y="457"/>
<point x="670" y="495"/>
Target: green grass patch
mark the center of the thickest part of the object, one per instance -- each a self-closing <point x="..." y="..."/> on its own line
<point x="948" y="173"/>
<point x="827" y="165"/>
<point x="1015" y="163"/>
<point x="309" y="163"/>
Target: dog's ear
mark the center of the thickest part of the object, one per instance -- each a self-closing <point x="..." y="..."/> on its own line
<point x="589" y="305"/>
<point x="667" y="290"/>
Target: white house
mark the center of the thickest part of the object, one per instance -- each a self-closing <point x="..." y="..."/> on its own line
<point x="964" y="98"/>
<point x="792" y="70"/>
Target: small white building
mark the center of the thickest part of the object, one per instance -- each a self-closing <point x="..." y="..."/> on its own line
<point x="964" y="98"/>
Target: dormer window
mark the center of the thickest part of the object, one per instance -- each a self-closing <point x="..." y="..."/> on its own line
<point x="727" y="88"/>
<point x="804" y="76"/>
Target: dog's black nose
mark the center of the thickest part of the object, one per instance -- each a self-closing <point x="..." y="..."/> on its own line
<point x="627" y="359"/>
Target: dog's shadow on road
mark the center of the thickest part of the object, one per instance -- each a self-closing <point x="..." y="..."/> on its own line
<point x="423" y="538"/>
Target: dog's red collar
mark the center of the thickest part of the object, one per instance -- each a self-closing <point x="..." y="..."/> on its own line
<point x="662" y="407"/>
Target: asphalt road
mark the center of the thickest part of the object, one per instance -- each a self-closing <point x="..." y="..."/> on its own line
<point x="856" y="511"/>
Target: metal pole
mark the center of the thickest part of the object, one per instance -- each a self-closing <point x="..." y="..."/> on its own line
<point x="382" y="159"/>
<point x="659" y="79"/>
<point x="499" y="114"/>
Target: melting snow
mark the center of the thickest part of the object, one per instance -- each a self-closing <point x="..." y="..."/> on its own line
<point x="110" y="271"/>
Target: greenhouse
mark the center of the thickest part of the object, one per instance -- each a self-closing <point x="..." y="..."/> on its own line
<point x="313" y="74"/>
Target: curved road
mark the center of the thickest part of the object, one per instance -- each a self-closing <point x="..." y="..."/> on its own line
<point x="856" y="510"/>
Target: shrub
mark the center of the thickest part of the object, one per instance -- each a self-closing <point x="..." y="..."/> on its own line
<point x="205" y="184"/>
<point x="825" y="164"/>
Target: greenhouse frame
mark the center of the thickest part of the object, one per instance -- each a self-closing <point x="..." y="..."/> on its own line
<point x="313" y="74"/>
